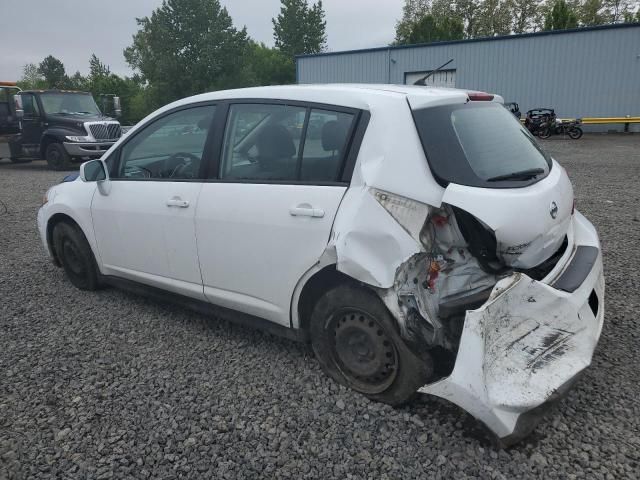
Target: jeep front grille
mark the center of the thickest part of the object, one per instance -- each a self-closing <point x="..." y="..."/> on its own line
<point x="105" y="131"/>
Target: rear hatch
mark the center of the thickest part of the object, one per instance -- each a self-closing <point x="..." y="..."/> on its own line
<point x="496" y="173"/>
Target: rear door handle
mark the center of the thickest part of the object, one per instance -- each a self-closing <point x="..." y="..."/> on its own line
<point x="306" y="211"/>
<point x="177" y="202"/>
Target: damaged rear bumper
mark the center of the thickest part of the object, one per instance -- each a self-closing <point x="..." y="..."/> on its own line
<point x="522" y="349"/>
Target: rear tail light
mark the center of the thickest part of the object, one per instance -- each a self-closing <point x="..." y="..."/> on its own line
<point x="480" y="96"/>
<point x="410" y="214"/>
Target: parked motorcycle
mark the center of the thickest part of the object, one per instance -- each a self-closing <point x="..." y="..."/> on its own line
<point x="543" y="123"/>
<point x="565" y="127"/>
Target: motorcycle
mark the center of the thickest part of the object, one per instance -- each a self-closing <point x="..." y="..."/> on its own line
<point x="543" y="123"/>
<point x="565" y="127"/>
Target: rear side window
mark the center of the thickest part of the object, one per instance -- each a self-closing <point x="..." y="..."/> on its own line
<point x="325" y="144"/>
<point x="284" y="143"/>
<point x="480" y="144"/>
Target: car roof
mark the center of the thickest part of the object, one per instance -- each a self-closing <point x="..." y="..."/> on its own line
<point x="343" y="94"/>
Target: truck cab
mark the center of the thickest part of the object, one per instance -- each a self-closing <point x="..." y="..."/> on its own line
<point x="62" y="126"/>
<point x="8" y="121"/>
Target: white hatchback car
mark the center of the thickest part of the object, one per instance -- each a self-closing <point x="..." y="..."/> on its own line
<point x="419" y="237"/>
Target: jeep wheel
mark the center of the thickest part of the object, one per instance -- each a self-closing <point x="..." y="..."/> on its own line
<point x="358" y="345"/>
<point x="57" y="157"/>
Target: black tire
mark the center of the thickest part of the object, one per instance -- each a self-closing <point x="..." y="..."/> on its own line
<point x="544" y="133"/>
<point x="575" y="133"/>
<point x="57" y="157"/>
<point x="75" y="256"/>
<point x="357" y="343"/>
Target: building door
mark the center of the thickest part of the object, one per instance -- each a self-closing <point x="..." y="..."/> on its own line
<point x="443" y="78"/>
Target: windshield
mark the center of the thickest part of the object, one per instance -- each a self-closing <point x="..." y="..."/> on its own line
<point x="69" y="103"/>
<point x="480" y="144"/>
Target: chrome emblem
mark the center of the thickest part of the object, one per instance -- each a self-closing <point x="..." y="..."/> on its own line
<point x="553" y="210"/>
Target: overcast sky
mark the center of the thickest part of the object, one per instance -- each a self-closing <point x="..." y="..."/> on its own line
<point x="72" y="30"/>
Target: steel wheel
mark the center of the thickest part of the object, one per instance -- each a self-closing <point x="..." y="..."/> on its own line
<point x="363" y="351"/>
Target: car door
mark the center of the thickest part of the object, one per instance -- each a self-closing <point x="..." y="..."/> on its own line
<point x="267" y="217"/>
<point x="144" y="226"/>
<point x="32" y="122"/>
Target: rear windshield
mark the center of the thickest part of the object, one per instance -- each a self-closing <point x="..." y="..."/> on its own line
<point x="480" y="144"/>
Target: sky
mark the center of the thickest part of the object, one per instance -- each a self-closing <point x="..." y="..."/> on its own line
<point x="72" y="30"/>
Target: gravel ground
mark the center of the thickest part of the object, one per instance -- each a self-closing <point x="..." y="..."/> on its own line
<point x="111" y="385"/>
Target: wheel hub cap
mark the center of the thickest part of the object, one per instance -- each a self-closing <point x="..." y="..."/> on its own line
<point x="364" y="351"/>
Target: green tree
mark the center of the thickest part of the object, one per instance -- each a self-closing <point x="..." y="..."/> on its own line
<point x="593" y="12"/>
<point x="53" y="72"/>
<point x="97" y="68"/>
<point x="431" y="29"/>
<point x="77" y="82"/>
<point x="188" y="47"/>
<point x="560" y="17"/>
<point x="300" y="28"/>
<point x="31" y="78"/>
<point x="494" y="18"/>
<point x="270" y="66"/>
<point x="631" y="17"/>
<point x="468" y="11"/>
<point x="412" y="11"/>
<point x="525" y="15"/>
<point x="617" y="9"/>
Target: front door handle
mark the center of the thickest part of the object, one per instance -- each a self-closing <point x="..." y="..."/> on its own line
<point x="306" y="211"/>
<point x="177" y="202"/>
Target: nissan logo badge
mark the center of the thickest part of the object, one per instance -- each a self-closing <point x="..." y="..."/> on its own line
<point x="553" y="210"/>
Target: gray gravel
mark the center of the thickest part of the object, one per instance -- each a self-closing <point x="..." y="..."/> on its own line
<point x="111" y="385"/>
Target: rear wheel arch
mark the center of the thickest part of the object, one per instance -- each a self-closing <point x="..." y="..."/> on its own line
<point x="319" y="283"/>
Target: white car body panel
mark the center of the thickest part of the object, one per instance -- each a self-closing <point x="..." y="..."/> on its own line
<point x="247" y="237"/>
<point x="141" y="238"/>
<point x="238" y="245"/>
<point x="526" y="232"/>
<point x="72" y="199"/>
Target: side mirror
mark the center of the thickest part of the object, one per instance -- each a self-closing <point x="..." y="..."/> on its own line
<point x="93" y="171"/>
<point x="117" y="108"/>
<point x="18" y="106"/>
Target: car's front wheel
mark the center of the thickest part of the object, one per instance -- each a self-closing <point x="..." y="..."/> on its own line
<point x="75" y="256"/>
<point x="358" y="344"/>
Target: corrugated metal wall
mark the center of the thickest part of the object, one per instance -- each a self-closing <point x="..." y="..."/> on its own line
<point x="579" y="73"/>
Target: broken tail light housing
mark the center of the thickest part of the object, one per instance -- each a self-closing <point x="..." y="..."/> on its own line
<point x="409" y="213"/>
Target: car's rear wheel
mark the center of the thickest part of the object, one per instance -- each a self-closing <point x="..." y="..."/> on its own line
<point x="75" y="256"/>
<point x="358" y="344"/>
<point x="575" y="133"/>
<point x="57" y="157"/>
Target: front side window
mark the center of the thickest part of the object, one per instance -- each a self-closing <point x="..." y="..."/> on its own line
<point x="69" y="104"/>
<point x="169" y="148"/>
<point x="284" y="143"/>
<point x="479" y="144"/>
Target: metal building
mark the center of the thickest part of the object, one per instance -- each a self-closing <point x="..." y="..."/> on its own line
<point x="585" y="72"/>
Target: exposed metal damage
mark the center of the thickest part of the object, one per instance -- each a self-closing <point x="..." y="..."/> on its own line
<point x="514" y="340"/>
